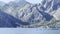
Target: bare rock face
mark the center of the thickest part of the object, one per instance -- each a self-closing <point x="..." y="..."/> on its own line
<point x="25" y="14"/>
<point x="57" y="14"/>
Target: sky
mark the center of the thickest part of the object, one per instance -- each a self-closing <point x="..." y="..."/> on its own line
<point x="34" y="1"/>
<point x="30" y="1"/>
<point x="6" y="1"/>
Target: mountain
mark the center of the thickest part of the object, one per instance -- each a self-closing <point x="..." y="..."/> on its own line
<point x="2" y="4"/>
<point x="32" y="15"/>
<point x="7" y="20"/>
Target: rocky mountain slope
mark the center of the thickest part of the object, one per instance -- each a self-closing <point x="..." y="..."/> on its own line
<point x="33" y="15"/>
